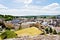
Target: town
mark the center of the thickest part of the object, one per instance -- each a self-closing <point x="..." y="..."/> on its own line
<point x="21" y="27"/>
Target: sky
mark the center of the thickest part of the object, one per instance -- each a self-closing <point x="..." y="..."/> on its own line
<point x="29" y="7"/>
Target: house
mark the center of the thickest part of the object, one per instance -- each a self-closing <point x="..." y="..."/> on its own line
<point x="58" y="17"/>
<point x="12" y="24"/>
<point x="15" y="21"/>
<point x="57" y="29"/>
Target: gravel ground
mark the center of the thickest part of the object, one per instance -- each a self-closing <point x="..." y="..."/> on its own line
<point x="39" y="37"/>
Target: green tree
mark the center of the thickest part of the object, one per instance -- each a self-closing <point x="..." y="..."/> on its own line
<point x="58" y="33"/>
<point x="8" y="34"/>
<point x="54" y="31"/>
<point x="51" y="30"/>
<point x="53" y="17"/>
<point x="47" y="30"/>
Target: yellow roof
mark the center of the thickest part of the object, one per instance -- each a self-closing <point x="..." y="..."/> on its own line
<point x="29" y="31"/>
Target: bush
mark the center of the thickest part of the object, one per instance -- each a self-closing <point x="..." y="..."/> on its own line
<point x="51" y="30"/>
<point x="47" y="31"/>
<point x="58" y="33"/>
<point x="54" y="32"/>
<point x="8" y="34"/>
<point x="7" y="28"/>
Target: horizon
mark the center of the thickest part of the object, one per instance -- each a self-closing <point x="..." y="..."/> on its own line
<point x="36" y="15"/>
<point x="30" y="15"/>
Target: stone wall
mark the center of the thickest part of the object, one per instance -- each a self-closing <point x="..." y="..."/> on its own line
<point x="40" y="37"/>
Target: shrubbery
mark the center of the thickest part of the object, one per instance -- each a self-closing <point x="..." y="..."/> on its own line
<point x="58" y="33"/>
<point x="47" y="31"/>
<point x="54" y="32"/>
<point x="50" y="30"/>
<point x="8" y="34"/>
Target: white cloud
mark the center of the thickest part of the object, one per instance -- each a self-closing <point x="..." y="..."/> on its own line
<point x="23" y="1"/>
<point x="2" y="7"/>
<point x="51" y="6"/>
<point x="33" y="10"/>
<point x="26" y="2"/>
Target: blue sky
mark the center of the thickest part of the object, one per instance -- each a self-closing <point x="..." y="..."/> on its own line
<point x="29" y="7"/>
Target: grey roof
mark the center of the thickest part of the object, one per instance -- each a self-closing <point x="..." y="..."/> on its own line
<point x="15" y="21"/>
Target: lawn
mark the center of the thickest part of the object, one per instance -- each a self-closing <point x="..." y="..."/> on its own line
<point x="0" y="38"/>
<point x="29" y="31"/>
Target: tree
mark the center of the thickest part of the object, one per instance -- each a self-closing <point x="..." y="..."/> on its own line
<point x="47" y="30"/>
<point x="53" y="17"/>
<point x="58" y="33"/>
<point x="54" y="31"/>
<point x="44" y="16"/>
<point x="51" y="30"/>
<point x="8" y="18"/>
<point x="8" y="34"/>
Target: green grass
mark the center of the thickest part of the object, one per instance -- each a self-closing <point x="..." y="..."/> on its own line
<point x="0" y="38"/>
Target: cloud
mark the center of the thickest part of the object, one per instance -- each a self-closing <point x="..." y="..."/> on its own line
<point x="26" y="2"/>
<point x="33" y="10"/>
<point x="51" y="6"/>
<point x="2" y="7"/>
<point x="23" y="1"/>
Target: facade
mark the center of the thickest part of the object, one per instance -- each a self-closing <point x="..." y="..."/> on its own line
<point x="58" y="17"/>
